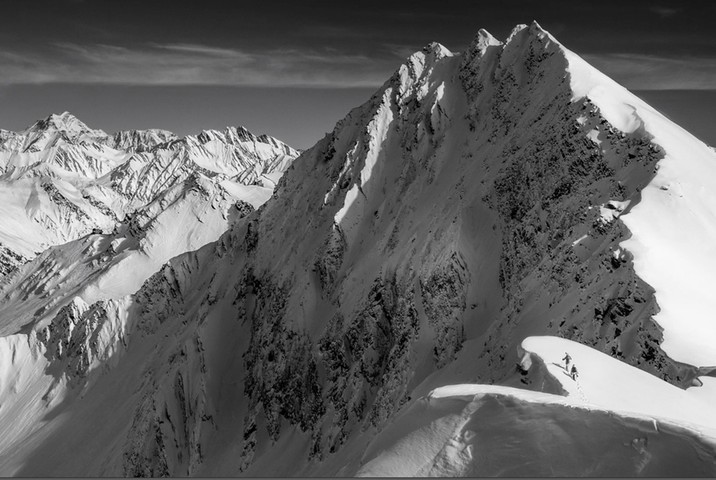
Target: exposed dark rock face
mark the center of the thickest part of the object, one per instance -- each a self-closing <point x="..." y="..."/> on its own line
<point x="71" y="340"/>
<point x="330" y="259"/>
<point x="176" y="415"/>
<point x="9" y="261"/>
<point x="144" y="454"/>
<point x="243" y="208"/>
<point x="444" y="300"/>
<point x="551" y="191"/>
<point x="160" y="299"/>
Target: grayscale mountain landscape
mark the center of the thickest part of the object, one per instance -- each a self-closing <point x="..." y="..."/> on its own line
<point x="501" y="263"/>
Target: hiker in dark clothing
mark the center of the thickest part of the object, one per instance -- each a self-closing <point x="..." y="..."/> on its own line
<point x="566" y="359"/>
<point x="574" y="373"/>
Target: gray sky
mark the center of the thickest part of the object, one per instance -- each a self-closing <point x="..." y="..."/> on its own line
<point x="292" y="69"/>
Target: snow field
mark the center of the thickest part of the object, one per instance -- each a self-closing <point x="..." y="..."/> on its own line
<point x="615" y="420"/>
<point x="674" y="225"/>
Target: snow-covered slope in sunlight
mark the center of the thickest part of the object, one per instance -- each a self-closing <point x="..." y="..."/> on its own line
<point x="612" y="420"/>
<point x="608" y="383"/>
<point x="488" y="430"/>
<point x="674" y="225"/>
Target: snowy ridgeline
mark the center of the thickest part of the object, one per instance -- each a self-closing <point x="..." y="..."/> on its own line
<point x="613" y="420"/>
<point x="400" y="306"/>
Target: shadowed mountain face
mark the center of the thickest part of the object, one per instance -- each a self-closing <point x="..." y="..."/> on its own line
<point x="474" y="200"/>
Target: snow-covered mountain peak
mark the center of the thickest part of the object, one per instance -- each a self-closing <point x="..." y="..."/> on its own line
<point x="55" y="131"/>
<point x="418" y="74"/>
<point x="473" y="55"/>
<point x="483" y="40"/>
<point x="534" y="29"/>
<point x="437" y="50"/>
<point x="515" y="31"/>
<point x="524" y="38"/>
<point x="470" y="183"/>
<point x="66" y="123"/>
<point x="240" y="133"/>
<point x="426" y="58"/>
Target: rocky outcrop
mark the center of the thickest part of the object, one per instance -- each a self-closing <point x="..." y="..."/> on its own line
<point x="166" y="433"/>
<point x="444" y="295"/>
<point x="9" y="261"/>
<point x="554" y="190"/>
<point x="355" y="376"/>
<point x="175" y="415"/>
<point x="329" y="261"/>
<point x="145" y="450"/>
<point x="83" y="337"/>
<point x="142" y="140"/>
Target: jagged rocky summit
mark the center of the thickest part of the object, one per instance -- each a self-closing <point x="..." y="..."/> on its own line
<point x="478" y="214"/>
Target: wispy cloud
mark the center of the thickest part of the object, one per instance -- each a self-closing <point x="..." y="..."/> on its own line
<point x="202" y="50"/>
<point x="647" y="72"/>
<point x="192" y="64"/>
<point x="664" y="12"/>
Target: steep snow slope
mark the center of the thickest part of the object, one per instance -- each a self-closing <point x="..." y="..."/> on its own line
<point x="614" y="420"/>
<point x="613" y="385"/>
<point x="674" y="226"/>
<point x="474" y="201"/>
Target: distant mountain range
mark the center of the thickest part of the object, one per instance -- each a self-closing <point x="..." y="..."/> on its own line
<point x="61" y="179"/>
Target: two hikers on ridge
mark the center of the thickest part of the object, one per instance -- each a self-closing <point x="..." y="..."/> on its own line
<point x="572" y="373"/>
